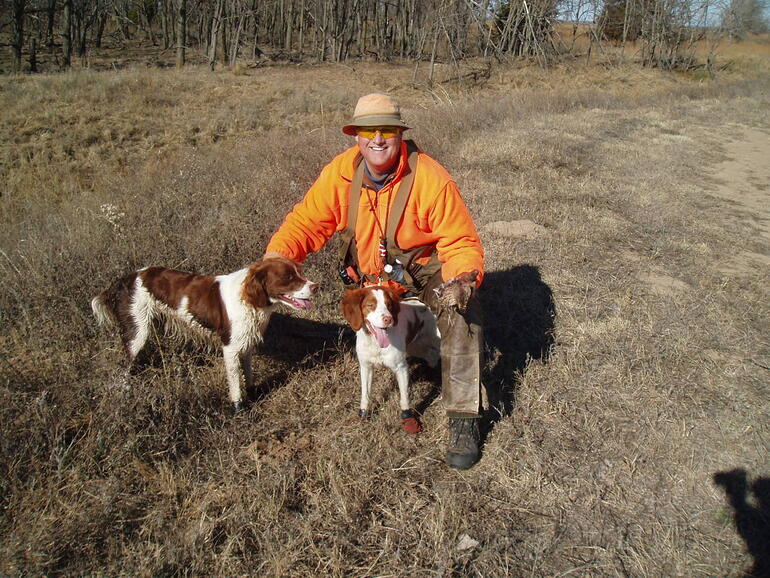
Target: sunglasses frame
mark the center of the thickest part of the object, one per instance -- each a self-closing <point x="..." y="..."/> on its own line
<point x="371" y="132"/>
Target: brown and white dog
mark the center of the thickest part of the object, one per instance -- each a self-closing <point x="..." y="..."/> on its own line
<point x="388" y="330"/>
<point x="231" y="311"/>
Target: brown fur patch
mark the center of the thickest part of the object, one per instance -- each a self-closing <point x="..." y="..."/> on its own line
<point x="202" y="291"/>
<point x="351" y="308"/>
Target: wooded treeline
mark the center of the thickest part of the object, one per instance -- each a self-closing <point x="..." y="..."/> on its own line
<point x="326" y="30"/>
<point x="336" y="30"/>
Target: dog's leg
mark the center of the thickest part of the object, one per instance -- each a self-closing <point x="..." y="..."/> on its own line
<point x="137" y="325"/>
<point x="366" y="386"/>
<point x="136" y="343"/>
<point x="233" y="370"/>
<point x="409" y="422"/>
<point x="248" y="374"/>
<point x="402" y="378"/>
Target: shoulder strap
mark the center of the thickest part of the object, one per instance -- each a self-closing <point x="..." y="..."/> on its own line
<point x="399" y="203"/>
<point x="348" y="234"/>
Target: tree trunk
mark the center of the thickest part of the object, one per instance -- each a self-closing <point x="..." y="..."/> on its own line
<point x="85" y="23"/>
<point x="236" y="40"/>
<point x="181" y="32"/>
<point x="100" y="30"/>
<point x="33" y="54"/>
<point x="51" y="20"/>
<point x="255" y="51"/>
<point x="149" y="12"/>
<point x="67" y="34"/>
<point x="165" y="24"/>
<point x="289" y="27"/>
<point x="17" y="34"/>
<point x="433" y="53"/>
<point x="224" y="31"/>
<point x="120" y="16"/>
<point x="215" y="24"/>
<point x="301" y="28"/>
<point x="324" y="26"/>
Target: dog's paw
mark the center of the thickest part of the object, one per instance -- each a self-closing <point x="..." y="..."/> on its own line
<point x="457" y="292"/>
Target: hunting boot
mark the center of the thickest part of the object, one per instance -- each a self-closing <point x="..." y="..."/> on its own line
<point x="463" y="448"/>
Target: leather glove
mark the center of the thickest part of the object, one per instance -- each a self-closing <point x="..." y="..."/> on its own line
<point x="457" y="292"/>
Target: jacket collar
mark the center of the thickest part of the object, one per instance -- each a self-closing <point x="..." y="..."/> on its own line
<point x="402" y="167"/>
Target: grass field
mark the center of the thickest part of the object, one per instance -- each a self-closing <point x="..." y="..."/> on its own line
<point x="627" y="335"/>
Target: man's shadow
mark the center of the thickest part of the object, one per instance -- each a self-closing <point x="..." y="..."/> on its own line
<point x="519" y="314"/>
<point x="751" y="521"/>
<point x="290" y="343"/>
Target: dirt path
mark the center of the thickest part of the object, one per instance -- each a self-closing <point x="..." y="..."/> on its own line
<point x="744" y="181"/>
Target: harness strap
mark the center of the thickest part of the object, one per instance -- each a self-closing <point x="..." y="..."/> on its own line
<point x="355" y="195"/>
<point x="348" y="234"/>
<point x="348" y="252"/>
<point x="399" y="203"/>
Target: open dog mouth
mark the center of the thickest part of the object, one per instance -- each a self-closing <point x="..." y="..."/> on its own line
<point x="301" y="304"/>
<point x="380" y="334"/>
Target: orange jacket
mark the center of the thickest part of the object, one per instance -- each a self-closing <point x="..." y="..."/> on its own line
<point x="434" y="213"/>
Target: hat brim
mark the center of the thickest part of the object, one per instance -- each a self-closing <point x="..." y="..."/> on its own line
<point x="373" y="120"/>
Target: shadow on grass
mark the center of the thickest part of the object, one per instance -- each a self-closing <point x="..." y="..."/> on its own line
<point x="290" y="344"/>
<point x="751" y="521"/>
<point x="519" y="314"/>
<point x="297" y="344"/>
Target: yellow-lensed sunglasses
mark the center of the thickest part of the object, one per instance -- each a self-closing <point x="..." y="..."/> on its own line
<point x="371" y="131"/>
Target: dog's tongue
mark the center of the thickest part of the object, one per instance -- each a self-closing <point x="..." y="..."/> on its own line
<point x="303" y="304"/>
<point x="380" y="334"/>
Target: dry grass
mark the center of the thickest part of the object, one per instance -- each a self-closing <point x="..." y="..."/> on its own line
<point x="650" y="378"/>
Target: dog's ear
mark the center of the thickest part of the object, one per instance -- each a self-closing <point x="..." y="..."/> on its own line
<point x="253" y="291"/>
<point x="351" y="308"/>
<point x="395" y="304"/>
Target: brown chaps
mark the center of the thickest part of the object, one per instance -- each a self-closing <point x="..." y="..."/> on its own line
<point x="462" y="351"/>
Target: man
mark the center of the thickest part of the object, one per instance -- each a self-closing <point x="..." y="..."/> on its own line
<point x="402" y="219"/>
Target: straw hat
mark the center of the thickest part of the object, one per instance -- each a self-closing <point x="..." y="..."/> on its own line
<point x="375" y="110"/>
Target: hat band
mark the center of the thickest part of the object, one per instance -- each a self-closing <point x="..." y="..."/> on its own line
<point x="378" y="120"/>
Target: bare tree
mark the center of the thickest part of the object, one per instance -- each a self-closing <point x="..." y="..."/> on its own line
<point x="526" y="28"/>
<point x="17" y="33"/>
<point x="181" y="32"/>
<point x="745" y="16"/>
<point x="67" y="34"/>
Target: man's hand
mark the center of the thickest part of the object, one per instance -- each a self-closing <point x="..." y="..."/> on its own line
<point x="457" y="292"/>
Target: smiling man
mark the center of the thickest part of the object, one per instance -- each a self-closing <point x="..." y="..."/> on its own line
<point x="403" y="223"/>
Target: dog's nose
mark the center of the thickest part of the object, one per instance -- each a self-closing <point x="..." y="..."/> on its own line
<point x="313" y="288"/>
<point x="387" y="319"/>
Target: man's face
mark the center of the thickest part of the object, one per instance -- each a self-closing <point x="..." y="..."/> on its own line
<point x="380" y="153"/>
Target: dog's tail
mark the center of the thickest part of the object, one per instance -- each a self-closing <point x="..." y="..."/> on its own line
<point x="103" y="314"/>
<point x="106" y="305"/>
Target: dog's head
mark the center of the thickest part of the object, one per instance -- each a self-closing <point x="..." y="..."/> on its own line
<point x="278" y="281"/>
<point x="375" y="307"/>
